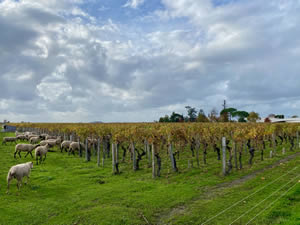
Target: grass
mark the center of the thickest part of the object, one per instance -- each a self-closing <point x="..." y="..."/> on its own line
<point x="68" y="190"/>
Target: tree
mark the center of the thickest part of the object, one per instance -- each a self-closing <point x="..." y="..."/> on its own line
<point x="229" y="112"/>
<point x="202" y="117"/>
<point x="164" y="119"/>
<point x="213" y="116"/>
<point x="192" y="113"/>
<point x="294" y="116"/>
<point x="175" y="117"/>
<point x="253" y="117"/>
<point x="241" y="115"/>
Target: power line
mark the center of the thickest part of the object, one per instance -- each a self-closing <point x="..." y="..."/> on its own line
<point x="272" y="203"/>
<point x="262" y="201"/>
<point x="247" y="196"/>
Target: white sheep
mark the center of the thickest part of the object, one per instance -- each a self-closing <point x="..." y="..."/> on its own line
<point x="75" y="146"/>
<point x="65" y="145"/>
<point x="21" y="137"/>
<point x="40" y="152"/>
<point x="19" y="171"/>
<point x="51" y="142"/>
<point x="24" y="148"/>
<point x="9" y="139"/>
<point x="50" y="137"/>
<point x="34" y="140"/>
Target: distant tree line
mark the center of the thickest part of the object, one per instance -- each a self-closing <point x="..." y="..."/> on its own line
<point x="226" y="115"/>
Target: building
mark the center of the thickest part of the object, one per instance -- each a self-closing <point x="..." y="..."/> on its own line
<point x="276" y="120"/>
<point x="8" y="128"/>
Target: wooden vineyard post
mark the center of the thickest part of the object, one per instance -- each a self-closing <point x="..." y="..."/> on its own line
<point x="103" y="149"/>
<point x="87" y="152"/>
<point x="147" y="146"/>
<point x="80" y="150"/>
<point x="197" y="152"/>
<point x="298" y="144"/>
<point x="173" y="161"/>
<point x="117" y="157"/>
<point x="94" y="147"/>
<point x="235" y="154"/>
<point x="274" y="143"/>
<point x="153" y="162"/>
<point x="98" y="152"/>
<point x="224" y="155"/>
<point x="133" y="156"/>
<point x="113" y="158"/>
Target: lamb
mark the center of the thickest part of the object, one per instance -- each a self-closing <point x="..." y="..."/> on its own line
<point x="19" y="171"/>
<point x="40" y="152"/>
<point x="65" y="145"/>
<point x="24" y="148"/>
<point x="34" y="140"/>
<point x="9" y="139"/>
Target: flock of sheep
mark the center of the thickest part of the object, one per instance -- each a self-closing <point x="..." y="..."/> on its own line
<point x="41" y="144"/>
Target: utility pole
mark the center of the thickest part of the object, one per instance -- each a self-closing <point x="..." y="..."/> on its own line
<point x="224" y="105"/>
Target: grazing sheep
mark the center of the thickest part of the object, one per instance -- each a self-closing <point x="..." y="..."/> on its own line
<point x="92" y="141"/>
<point x="50" y="137"/>
<point x="65" y="145"/>
<point x="31" y="136"/>
<point x="19" y="171"/>
<point x="21" y="137"/>
<point x="40" y="152"/>
<point x="51" y="142"/>
<point x="34" y="140"/>
<point x="43" y="136"/>
<point x="9" y="139"/>
<point x="24" y="148"/>
<point x="75" y="146"/>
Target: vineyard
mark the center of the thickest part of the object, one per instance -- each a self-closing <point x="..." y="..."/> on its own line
<point x="204" y="174"/>
<point x="175" y="145"/>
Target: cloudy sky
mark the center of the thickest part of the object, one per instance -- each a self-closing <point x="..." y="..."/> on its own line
<point x="137" y="60"/>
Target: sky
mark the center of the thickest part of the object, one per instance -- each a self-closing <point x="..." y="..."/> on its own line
<point x="138" y="60"/>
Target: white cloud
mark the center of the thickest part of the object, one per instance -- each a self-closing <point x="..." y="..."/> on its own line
<point x="134" y="3"/>
<point x="54" y="56"/>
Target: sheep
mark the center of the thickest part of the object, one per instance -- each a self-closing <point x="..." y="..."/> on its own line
<point x="31" y="136"/>
<point x="75" y="146"/>
<point x="50" y="137"/>
<point x="92" y="141"/>
<point x="21" y="137"/>
<point x="24" y="148"/>
<point x="40" y="152"/>
<point x="65" y="145"/>
<point x="51" y="142"/>
<point x="9" y="139"/>
<point x="19" y="171"/>
<point x="34" y="140"/>
<point x="43" y="136"/>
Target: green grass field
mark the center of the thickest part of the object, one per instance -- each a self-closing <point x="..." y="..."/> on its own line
<point x="68" y="190"/>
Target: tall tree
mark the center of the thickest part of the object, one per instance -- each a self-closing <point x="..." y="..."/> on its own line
<point x="213" y="115"/>
<point x="253" y="117"/>
<point x="175" y="117"/>
<point x="202" y="117"/>
<point x="241" y="115"/>
<point x="229" y="112"/>
<point x="192" y="113"/>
